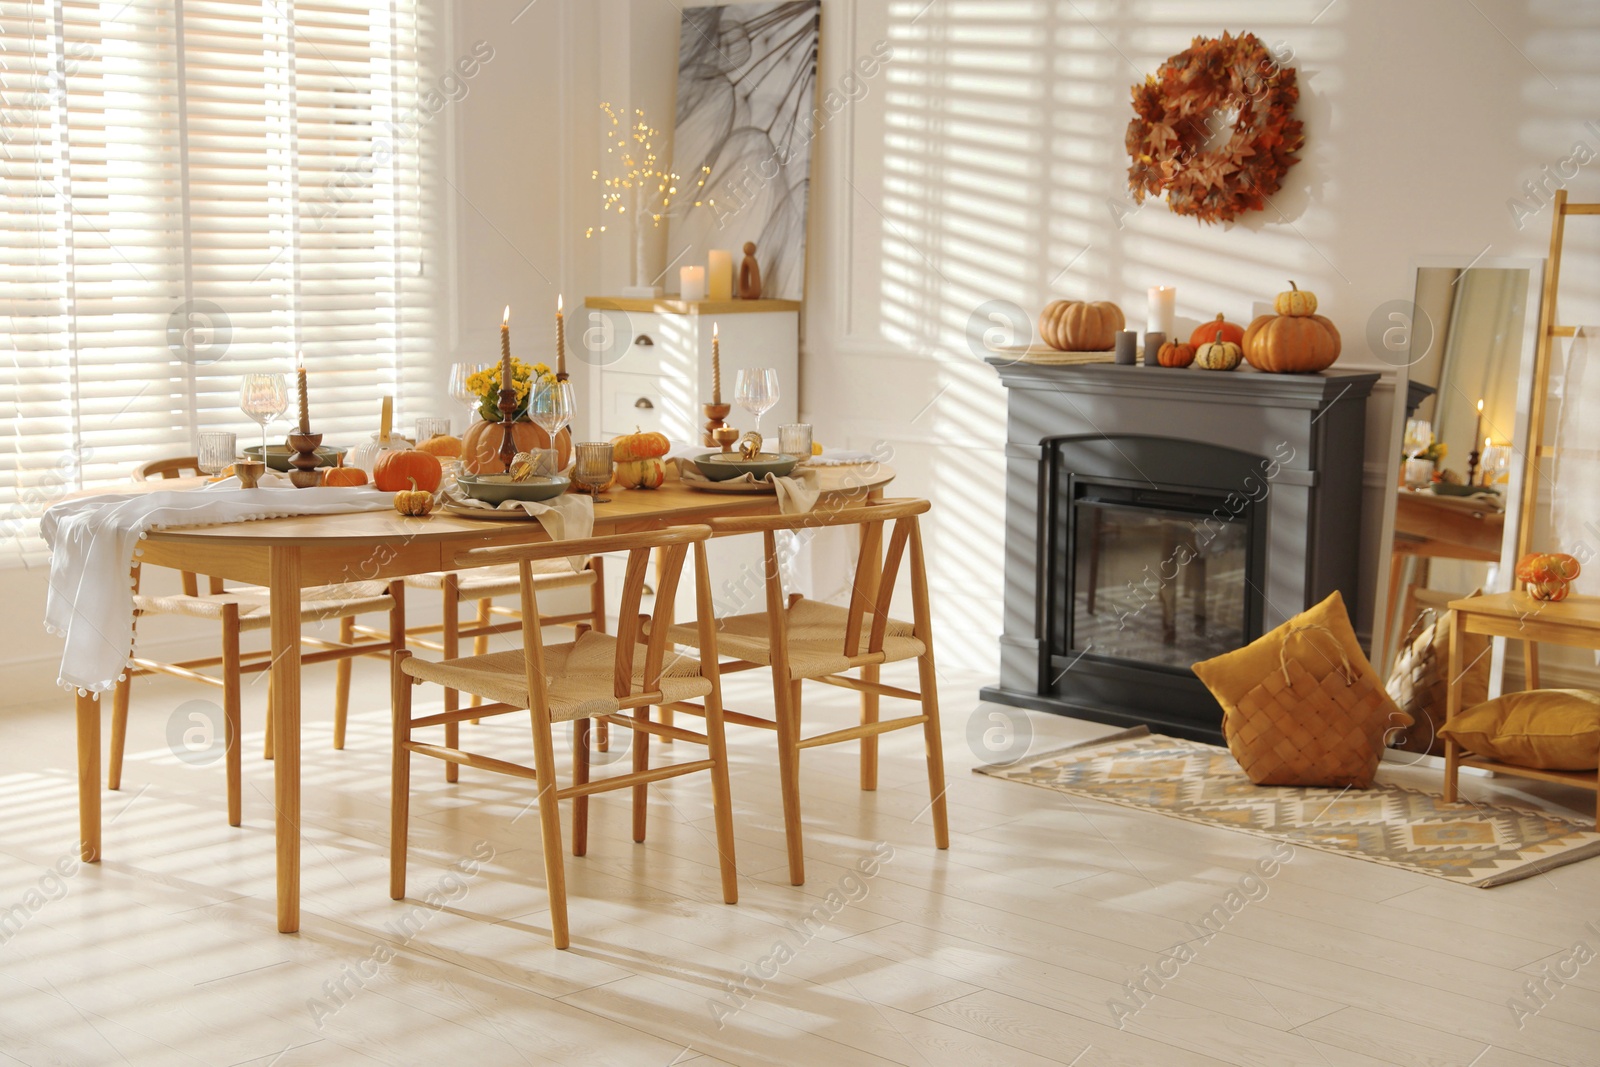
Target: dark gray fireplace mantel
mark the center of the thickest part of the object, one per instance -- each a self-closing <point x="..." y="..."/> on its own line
<point x="1310" y="426"/>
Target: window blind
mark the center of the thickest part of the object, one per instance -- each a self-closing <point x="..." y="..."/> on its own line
<point x="193" y="190"/>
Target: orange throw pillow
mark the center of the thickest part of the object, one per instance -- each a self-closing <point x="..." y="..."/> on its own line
<point x="1551" y="729"/>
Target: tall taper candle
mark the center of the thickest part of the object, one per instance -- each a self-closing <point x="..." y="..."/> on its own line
<point x="386" y="421"/>
<point x="1477" y="429"/>
<point x="716" y="366"/>
<point x="505" y="349"/>
<point x="305" y="404"/>
<point x="561" y="343"/>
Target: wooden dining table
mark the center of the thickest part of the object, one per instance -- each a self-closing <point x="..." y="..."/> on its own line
<point x="289" y="554"/>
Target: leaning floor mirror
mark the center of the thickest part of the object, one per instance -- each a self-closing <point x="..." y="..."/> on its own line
<point x="1465" y="390"/>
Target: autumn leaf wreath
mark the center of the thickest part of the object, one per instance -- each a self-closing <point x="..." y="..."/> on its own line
<point x="1179" y="142"/>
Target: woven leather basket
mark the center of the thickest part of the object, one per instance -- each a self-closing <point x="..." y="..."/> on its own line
<point x="1419" y="682"/>
<point x="1314" y="721"/>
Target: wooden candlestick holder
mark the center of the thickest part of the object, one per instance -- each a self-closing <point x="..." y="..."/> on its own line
<point x="303" y="458"/>
<point x="724" y="437"/>
<point x="508" y="413"/>
<point x="715" y="414"/>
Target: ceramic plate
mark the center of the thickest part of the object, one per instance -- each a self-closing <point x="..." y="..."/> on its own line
<point x="498" y="488"/>
<point x="720" y="466"/>
<point x="278" y="455"/>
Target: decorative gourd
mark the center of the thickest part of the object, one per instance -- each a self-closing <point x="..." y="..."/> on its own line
<point x="641" y="473"/>
<point x="1175" y="355"/>
<point x="344" y="476"/>
<point x="414" y="502"/>
<point x="1548" y="575"/>
<point x="1296" y="301"/>
<point x="1218" y="329"/>
<point x="816" y="448"/>
<point x="1217" y="355"/>
<point x="442" y="446"/>
<point x="1291" y="344"/>
<point x="480" y="448"/>
<point x="395" y="470"/>
<point x="1073" y="326"/>
<point x="639" y="445"/>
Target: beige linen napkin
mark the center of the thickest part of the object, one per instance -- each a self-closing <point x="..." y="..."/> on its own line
<point x="797" y="492"/>
<point x="568" y="517"/>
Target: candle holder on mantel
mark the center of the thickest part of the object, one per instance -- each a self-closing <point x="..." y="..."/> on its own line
<point x="715" y="416"/>
<point x="1473" y="459"/>
<point x="303" y="458"/>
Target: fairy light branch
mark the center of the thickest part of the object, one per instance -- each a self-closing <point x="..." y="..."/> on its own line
<point x="634" y="177"/>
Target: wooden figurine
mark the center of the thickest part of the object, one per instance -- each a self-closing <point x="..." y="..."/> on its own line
<point x="749" y="274"/>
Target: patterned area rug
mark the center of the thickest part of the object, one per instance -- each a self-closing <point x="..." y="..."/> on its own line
<point x="1474" y="844"/>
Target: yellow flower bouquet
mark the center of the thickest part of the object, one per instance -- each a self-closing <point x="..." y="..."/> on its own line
<point x="485" y="384"/>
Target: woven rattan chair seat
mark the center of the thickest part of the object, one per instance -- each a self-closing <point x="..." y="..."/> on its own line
<point x="816" y="639"/>
<point x="578" y="676"/>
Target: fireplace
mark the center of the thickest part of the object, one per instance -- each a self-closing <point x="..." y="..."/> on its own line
<point x="1133" y="553"/>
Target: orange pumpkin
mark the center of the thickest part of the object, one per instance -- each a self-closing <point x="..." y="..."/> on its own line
<point x="1548" y="575"/>
<point x="1175" y="355"/>
<point x="1218" y="329"/>
<point x="480" y="448"/>
<point x="344" y="476"/>
<point x="443" y="446"/>
<point x="639" y="445"/>
<point x="1291" y="344"/>
<point x="409" y="469"/>
<point x="1074" y="326"/>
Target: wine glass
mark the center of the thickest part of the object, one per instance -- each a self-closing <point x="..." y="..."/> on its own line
<point x="264" y="397"/>
<point x="460" y="391"/>
<point x="757" y="391"/>
<point x="552" y="407"/>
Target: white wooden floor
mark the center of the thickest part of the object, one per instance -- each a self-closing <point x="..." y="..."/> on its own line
<point x="1008" y="949"/>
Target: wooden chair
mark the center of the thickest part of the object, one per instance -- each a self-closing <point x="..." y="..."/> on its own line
<point x="803" y="639"/>
<point x="240" y="611"/>
<point x="483" y="586"/>
<point x="595" y="677"/>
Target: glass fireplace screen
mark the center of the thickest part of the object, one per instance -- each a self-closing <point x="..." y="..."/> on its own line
<point x="1157" y="585"/>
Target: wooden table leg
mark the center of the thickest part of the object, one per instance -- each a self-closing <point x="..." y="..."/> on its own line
<point x="284" y="580"/>
<point x="88" y="778"/>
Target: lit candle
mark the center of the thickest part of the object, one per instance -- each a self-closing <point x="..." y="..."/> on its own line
<point x="505" y="351"/>
<point x="1477" y="430"/>
<point x="691" y="283"/>
<point x="561" y="343"/>
<point x="1163" y="300"/>
<point x="716" y="366"/>
<point x="719" y="275"/>
<point x="305" y="403"/>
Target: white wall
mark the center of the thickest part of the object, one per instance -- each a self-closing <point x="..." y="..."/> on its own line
<point x="987" y="162"/>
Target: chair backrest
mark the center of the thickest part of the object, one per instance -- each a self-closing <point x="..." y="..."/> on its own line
<point x="877" y="566"/>
<point x="673" y="545"/>
<point x="177" y="467"/>
<point x="171" y="467"/>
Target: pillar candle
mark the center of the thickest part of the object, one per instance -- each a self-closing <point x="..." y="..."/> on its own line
<point x="716" y="366"/>
<point x="305" y="403"/>
<point x="561" y="342"/>
<point x="1163" y="303"/>
<point x="719" y="274"/>
<point x="692" y="283"/>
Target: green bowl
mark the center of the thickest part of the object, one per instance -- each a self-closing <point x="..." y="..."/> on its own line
<point x="496" y="489"/>
<point x="278" y="455"/>
<point x="721" y="466"/>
